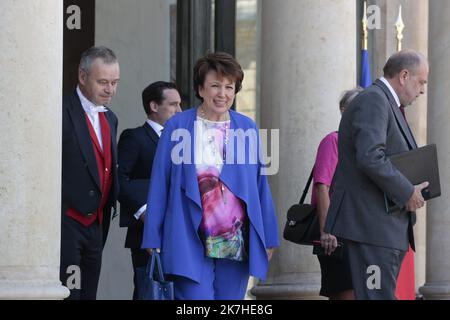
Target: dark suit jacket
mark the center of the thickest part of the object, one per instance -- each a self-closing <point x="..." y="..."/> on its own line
<point x="371" y="129"/>
<point x="136" y="150"/>
<point x="80" y="180"/>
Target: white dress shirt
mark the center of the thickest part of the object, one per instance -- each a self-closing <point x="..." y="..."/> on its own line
<point x="158" y="129"/>
<point x="92" y="112"/>
<point x="155" y="126"/>
<point x="383" y="79"/>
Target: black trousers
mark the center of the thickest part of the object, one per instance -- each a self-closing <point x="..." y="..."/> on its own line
<point x="81" y="258"/>
<point x="139" y="257"/>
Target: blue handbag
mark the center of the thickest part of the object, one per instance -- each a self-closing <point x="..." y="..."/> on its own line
<point x="154" y="287"/>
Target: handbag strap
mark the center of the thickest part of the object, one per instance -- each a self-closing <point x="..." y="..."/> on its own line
<point x="160" y="270"/>
<point x="305" y="191"/>
<point x="151" y="266"/>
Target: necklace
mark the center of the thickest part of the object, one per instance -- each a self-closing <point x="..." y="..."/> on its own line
<point x="202" y="114"/>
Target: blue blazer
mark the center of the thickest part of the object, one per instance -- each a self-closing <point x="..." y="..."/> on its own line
<point x="174" y="208"/>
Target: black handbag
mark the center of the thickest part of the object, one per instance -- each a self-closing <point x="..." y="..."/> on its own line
<point x="302" y="225"/>
<point x="153" y="286"/>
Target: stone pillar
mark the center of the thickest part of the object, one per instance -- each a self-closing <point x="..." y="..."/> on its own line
<point x="437" y="285"/>
<point x="308" y="58"/>
<point x="382" y="44"/>
<point x="30" y="156"/>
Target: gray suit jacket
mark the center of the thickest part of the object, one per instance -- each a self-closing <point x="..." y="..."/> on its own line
<point x="371" y="129"/>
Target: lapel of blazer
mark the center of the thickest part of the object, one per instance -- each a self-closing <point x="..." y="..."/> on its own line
<point x="189" y="180"/>
<point x="401" y="122"/>
<point x="151" y="133"/>
<point x="233" y="174"/>
<point x="112" y="121"/>
<point x="84" y="139"/>
<point x="113" y="133"/>
<point x="414" y="143"/>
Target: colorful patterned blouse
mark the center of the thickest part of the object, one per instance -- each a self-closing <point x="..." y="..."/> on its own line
<point x="224" y="219"/>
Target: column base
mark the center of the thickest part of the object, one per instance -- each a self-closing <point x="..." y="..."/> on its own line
<point x="287" y="292"/>
<point x="20" y="290"/>
<point x="436" y="291"/>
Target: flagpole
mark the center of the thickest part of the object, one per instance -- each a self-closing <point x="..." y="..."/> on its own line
<point x="399" y="26"/>
<point x="366" y="79"/>
<point x="364" y="28"/>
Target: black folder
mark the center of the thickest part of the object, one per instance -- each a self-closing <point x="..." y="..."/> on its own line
<point x="420" y="165"/>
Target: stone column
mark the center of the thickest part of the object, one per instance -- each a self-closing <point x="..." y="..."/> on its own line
<point x="437" y="285"/>
<point x="415" y="17"/>
<point x="382" y="44"/>
<point x="308" y="58"/>
<point x="30" y="156"/>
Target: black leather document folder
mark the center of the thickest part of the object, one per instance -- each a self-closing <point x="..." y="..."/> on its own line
<point x="420" y="165"/>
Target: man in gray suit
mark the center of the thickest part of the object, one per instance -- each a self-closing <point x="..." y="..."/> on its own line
<point x="367" y="186"/>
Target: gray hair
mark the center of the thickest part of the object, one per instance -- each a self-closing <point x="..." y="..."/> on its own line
<point x="105" y="54"/>
<point x="347" y="97"/>
<point x="405" y="59"/>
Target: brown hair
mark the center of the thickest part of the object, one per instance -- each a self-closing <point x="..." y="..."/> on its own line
<point x="221" y="62"/>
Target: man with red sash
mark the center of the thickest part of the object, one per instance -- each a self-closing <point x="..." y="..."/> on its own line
<point x="89" y="171"/>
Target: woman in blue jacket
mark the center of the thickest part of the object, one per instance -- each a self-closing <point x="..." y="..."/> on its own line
<point x="210" y="210"/>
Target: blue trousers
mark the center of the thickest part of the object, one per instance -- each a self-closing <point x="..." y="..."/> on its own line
<point x="222" y="279"/>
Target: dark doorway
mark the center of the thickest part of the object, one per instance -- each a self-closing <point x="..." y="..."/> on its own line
<point x="79" y="35"/>
<point x="202" y="26"/>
